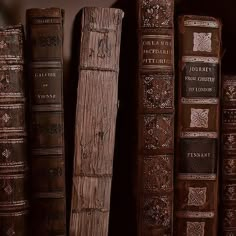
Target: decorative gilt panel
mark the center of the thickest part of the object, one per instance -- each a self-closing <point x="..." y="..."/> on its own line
<point x="195" y="229"/>
<point x="202" y="42"/>
<point x="229" y="166"/>
<point x="158" y="173"/>
<point x="197" y="196"/>
<point x="230" y="192"/>
<point x="156" y="13"/>
<point x="158" y="131"/>
<point x="199" y="118"/>
<point x="229" y="218"/>
<point x="158" y="92"/>
<point x="229" y="141"/>
<point x="157" y="211"/>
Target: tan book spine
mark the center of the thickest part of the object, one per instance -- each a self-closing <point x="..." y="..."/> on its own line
<point x="96" y="111"/>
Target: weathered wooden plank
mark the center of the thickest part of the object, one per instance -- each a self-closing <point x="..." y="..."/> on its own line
<point x="96" y="113"/>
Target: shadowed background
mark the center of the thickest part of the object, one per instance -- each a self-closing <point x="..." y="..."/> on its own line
<point x="123" y="217"/>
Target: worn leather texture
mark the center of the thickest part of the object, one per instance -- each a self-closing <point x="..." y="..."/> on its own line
<point x="228" y="160"/>
<point x="155" y="117"/>
<point x="45" y="40"/>
<point x="14" y="177"/>
<point x="197" y="159"/>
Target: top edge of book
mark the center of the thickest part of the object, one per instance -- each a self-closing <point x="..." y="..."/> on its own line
<point x="103" y="9"/>
<point x="156" y="14"/>
<point x="18" y="27"/>
<point x="101" y="19"/>
<point x="45" y="12"/>
<point x="200" y="21"/>
<point x="229" y="76"/>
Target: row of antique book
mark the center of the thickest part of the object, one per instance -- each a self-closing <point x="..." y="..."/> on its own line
<point x="186" y="130"/>
<point x="32" y="145"/>
<point x="186" y="136"/>
<point x="180" y="198"/>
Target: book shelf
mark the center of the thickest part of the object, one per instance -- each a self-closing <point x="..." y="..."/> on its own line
<point x="122" y="216"/>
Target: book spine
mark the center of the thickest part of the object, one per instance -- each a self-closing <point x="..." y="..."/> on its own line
<point x="196" y="195"/>
<point x="155" y="117"/>
<point x="45" y="40"/>
<point x="14" y="186"/>
<point x="96" y="111"/>
<point x="228" y="160"/>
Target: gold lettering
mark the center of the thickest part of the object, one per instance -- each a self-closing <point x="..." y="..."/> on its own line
<point x="156" y="61"/>
<point x="199" y="154"/>
<point x="203" y="89"/>
<point x="157" y="51"/>
<point x="206" y="79"/>
<point x="46" y="74"/>
<point x="151" y="43"/>
<point x="156" y="43"/>
<point x="46" y="96"/>
<point x="192" y="89"/>
<point x="200" y="69"/>
<point x="43" y="21"/>
<point x="190" y="78"/>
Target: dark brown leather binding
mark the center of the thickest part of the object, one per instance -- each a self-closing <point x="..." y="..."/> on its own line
<point x="228" y="160"/>
<point x="196" y="195"/>
<point x="155" y="117"/>
<point x="14" y="198"/>
<point x="45" y="40"/>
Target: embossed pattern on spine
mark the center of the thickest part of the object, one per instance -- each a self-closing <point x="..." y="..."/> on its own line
<point x="14" y="185"/>
<point x="155" y="117"/>
<point x="196" y="192"/>
<point x="45" y="40"/>
<point x="228" y="161"/>
<point x="96" y="111"/>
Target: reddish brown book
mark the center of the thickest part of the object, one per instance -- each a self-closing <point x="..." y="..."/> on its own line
<point x="196" y="195"/>
<point x="45" y="44"/>
<point x="14" y="186"/>
<point x="228" y="160"/>
<point x="155" y="117"/>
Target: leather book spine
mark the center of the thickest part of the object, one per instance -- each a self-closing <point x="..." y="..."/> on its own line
<point x="96" y="111"/>
<point x="197" y="159"/>
<point x="45" y="41"/>
<point x="155" y="117"/>
<point x="228" y="160"/>
<point x="14" y="186"/>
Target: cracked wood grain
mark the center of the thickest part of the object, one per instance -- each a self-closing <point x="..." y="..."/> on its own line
<point x="96" y="112"/>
